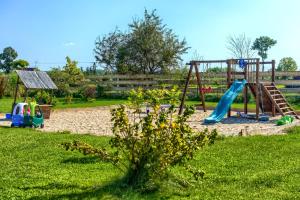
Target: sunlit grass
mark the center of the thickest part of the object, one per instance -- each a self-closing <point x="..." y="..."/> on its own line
<point x="34" y="166"/>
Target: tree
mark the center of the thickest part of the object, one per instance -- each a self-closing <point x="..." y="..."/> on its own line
<point x="94" y="68"/>
<point x="148" y="47"/>
<point x="262" y="45"/>
<point x="20" y="64"/>
<point x="59" y="77"/>
<point x="66" y="77"/>
<point x="107" y="49"/>
<point x="74" y="75"/>
<point x="287" y="64"/>
<point x="240" y="46"/>
<point x="7" y="58"/>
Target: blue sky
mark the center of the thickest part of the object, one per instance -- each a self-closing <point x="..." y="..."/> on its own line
<point x="48" y="31"/>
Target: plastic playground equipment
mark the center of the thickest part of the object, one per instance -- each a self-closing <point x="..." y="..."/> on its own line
<point x="225" y="102"/>
<point x="285" y="120"/>
<point x="27" y="115"/>
<point x="240" y="75"/>
<point x="206" y="89"/>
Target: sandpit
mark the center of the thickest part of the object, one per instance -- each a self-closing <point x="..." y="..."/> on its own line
<point x="96" y="121"/>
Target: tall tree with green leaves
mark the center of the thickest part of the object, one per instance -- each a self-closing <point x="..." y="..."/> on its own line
<point x="74" y="75"/>
<point x="149" y="47"/>
<point x="66" y="77"/>
<point x="287" y="64"/>
<point x="262" y="45"/>
<point x="108" y="48"/>
<point x="7" y="58"/>
<point x="153" y="46"/>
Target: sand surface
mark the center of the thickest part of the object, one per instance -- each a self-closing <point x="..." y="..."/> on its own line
<point x="97" y="121"/>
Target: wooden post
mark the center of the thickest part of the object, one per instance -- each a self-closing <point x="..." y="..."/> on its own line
<point x="15" y="97"/>
<point x="202" y="98"/>
<point x="185" y="88"/>
<point x="26" y="94"/>
<point x="229" y="63"/>
<point x="256" y="89"/>
<point x="51" y="96"/>
<point x="273" y="81"/>
<point x="246" y="91"/>
<point x="273" y="71"/>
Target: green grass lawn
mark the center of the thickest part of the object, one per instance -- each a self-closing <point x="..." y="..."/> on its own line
<point x="34" y="166"/>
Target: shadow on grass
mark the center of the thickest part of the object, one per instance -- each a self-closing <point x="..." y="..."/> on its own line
<point x="7" y="127"/>
<point x="51" y="186"/>
<point x="82" y="160"/>
<point x="117" y="189"/>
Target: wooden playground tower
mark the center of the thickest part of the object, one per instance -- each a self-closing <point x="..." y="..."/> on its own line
<point x="268" y="98"/>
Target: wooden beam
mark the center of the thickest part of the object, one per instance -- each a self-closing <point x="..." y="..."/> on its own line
<point x="238" y="73"/>
<point x="197" y="62"/>
<point x="261" y="63"/>
<point x="256" y="89"/>
<point x="246" y="91"/>
<point x="26" y="94"/>
<point x="16" y="93"/>
<point x="185" y="90"/>
<point x="273" y="80"/>
<point x="229" y="64"/>
<point x="202" y="98"/>
<point x="273" y="71"/>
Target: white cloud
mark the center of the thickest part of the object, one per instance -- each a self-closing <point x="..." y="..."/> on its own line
<point x="68" y="44"/>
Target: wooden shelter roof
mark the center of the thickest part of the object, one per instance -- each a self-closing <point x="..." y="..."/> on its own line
<point x="36" y="80"/>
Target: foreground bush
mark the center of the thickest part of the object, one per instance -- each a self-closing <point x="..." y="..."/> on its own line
<point x="145" y="146"/>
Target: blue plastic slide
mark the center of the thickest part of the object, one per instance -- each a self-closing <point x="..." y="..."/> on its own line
<point x="225" y="102"/>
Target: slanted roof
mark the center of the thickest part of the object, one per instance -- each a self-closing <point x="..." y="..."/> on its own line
<point x="36" y="80"/>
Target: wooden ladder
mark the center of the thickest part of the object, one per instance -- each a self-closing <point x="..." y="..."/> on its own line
<point x="278" y="100"/>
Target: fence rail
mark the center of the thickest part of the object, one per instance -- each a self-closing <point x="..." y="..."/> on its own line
<point x="215" y="74"/>
<point x="290" y="81"/>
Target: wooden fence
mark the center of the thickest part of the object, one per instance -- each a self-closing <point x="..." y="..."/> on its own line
<point x="290" y="81"/>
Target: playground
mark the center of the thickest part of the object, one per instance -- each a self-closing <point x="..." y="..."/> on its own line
<point x="243" y="78"/>
<point x="149" y="100"/>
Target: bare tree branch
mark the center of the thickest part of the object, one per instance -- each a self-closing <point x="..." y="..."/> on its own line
<point x="240" y="46"/>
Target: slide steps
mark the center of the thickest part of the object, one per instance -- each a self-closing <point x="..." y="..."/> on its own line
<point x="278" y="100"/>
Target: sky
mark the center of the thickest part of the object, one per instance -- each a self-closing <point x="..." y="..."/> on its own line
<point x="45" y="32"/>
